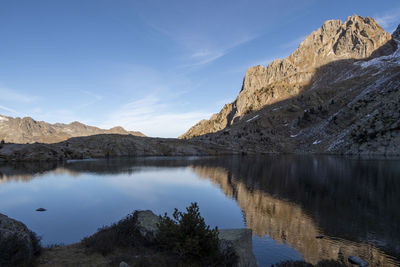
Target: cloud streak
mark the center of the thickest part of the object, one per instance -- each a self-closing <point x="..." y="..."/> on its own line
<point x="8" y="109"/>
<point x="153" y="117"/>
<point x="14" y="96"/>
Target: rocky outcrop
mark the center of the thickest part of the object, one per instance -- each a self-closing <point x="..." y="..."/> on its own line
<point x="17" y="243"/>
<point x="241" y="241"/>
<point x="146" y="222"/>
<point x="335" y="94"/>
<point x="356" y="38"/>
<point x="28" y="130"/>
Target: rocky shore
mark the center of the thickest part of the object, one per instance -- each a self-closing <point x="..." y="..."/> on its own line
<point x="109" y="145"/>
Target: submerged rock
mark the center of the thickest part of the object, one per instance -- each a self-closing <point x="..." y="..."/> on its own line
<point x="358" y="261"/>
<point x="41" y="209"/>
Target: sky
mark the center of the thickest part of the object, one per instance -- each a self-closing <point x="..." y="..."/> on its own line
<point x="152" y="66"/>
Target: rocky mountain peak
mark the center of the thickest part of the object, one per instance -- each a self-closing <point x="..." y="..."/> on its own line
<point x="335" y="41"/>
<point x="356" y="38"/>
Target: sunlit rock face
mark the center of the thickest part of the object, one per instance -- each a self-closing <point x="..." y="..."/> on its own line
<point x="328" y="96"/>
<point x="356" y="38"/>
<point x="347" y="203"/>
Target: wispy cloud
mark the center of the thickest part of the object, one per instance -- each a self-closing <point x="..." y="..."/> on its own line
<point x="8" y="94"/>
<point x="8" y="109"/>
<point x="202" y="50"/>
<point x="94" y="96"/>
<point x="389" y="20"/>
<point x="153" y="117"/>
<point x="204" y="40"/>
<point x="207" y="55"/>
<point x="93" y="99"/>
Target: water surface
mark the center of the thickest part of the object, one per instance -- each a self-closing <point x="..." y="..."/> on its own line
<point x="285" y="200"/>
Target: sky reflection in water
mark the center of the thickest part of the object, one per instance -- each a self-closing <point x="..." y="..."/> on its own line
<point x="285" y="200"/>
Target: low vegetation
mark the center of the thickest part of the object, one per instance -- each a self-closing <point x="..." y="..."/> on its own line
<point x="122" y="234"/>
<point x="192" y="241"/>
<point x="184" y="240"/>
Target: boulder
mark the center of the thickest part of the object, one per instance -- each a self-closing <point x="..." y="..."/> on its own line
<point x="241" y="241"/>
<point x="17" y="243"/>
<point x="146" y="222"/>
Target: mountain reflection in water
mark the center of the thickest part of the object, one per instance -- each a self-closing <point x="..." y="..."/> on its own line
<point x="353" y="203"/>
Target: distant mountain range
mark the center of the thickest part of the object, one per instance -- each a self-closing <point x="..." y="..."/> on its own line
<point x="337" y="93"/>
<point x="27" y="130"/>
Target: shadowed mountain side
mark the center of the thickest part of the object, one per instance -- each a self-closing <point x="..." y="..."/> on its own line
<point x="350" y="107"/>
<point x="346" y="104"/>
<point x="108" y="145"/>
<point x="294" y="200"/>
<point x="28" y="130"/>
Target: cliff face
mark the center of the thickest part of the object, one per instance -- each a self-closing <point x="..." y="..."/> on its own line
<point x="356" y="38"/>
<point x="27" y="130"/>
<point x="340" y="75"/>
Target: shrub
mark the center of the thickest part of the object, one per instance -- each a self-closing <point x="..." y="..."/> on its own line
<point x="122" y="234"/>
<point x="189" y="238"/>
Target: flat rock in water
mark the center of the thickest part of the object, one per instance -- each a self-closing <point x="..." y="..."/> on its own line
<point x="358" y="261"/>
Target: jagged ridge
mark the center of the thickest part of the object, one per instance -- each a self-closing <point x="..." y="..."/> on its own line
<point x="347" y="104"/>
<point x="356" y="38"/>
<point x="28" y="130"/>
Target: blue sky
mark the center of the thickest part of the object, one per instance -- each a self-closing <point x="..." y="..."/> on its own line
<point x="153" y="66"/>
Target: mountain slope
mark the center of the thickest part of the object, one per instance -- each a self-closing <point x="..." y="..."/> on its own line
<point x="27" y="130"/>
<point x="337" y="93"/>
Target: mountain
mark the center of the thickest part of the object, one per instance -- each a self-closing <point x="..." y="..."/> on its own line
<point x="336" y="93"/>
<point x="27" y="130"/>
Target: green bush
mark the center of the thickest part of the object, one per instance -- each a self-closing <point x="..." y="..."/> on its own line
<point x="189" y="238"/>
<point x="121" y="234"/>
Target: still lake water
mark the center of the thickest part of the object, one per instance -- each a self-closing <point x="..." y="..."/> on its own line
<point x="286" y="200"/>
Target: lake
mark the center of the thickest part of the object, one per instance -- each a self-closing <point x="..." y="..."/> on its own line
<point x="287" y="200"/>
